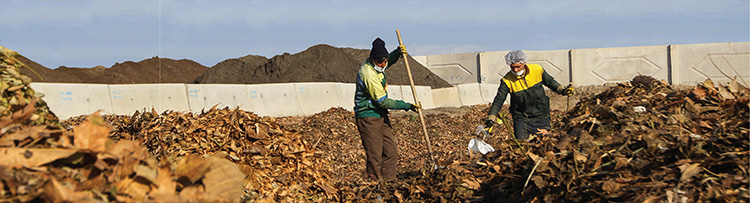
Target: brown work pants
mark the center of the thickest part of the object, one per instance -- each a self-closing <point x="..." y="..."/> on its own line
<point x="380" y="147"/>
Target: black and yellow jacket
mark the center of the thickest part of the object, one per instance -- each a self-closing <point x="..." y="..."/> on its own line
<point x="527" y="98"/>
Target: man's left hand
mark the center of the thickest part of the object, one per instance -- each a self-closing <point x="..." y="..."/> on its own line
<point x="402" y="48"/>
<point x="568" y="91"/>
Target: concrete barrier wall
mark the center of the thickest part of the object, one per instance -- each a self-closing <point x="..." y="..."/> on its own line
<point x="69" y="100"/>
<point x="394" y="92"/>
<point x="279" y="100"/>
<point x="126" y="99"/>
<point x="424" y="94"/>
<point x="721" y="62"/>
<point x="470" y="94"/>
<point x="476" y="77"/>
<point x="317" y="97"/>
<point x="446" y="97"/>
<point x="612" y="65"/>
<point x="453" y="68"/>
<point x="346" y="95"/>
<point x="204" y="97"/>
<point x="675" y="64"/>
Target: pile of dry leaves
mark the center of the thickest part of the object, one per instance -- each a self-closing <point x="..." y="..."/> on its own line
<point x="275" y="163"/>
<point x="41" y="161"/>
<point x="640" y="141"/>
<point x="637" y="141"/>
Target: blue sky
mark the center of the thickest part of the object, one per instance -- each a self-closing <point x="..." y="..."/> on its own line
<point x="87" y="33"/>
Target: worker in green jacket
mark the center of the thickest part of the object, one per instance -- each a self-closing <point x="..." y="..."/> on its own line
<point x="371" y="104"/>
<point x="529" y="105"/>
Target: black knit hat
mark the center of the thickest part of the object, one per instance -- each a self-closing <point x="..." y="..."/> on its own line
<point x="378" y="49"/>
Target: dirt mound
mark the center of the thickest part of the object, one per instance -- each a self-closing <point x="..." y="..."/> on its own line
<point x="39" y="73"/>
<point x="319" y="63"/>
<point x="153" y="70"/>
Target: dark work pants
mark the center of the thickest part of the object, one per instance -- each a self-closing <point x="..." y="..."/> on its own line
<point x="522" y="129"/>
<point x="380" y="147"/>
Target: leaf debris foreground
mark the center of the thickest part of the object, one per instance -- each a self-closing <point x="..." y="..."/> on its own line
<point x="41" y="161"/>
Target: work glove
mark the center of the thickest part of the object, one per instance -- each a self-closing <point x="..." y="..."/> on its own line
<point x="491" y="120"/>
<point x="402" y="49"/>
<point x="414" y="107"/>
<point x="565" y="91"/>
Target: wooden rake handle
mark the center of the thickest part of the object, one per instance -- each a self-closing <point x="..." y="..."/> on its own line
<point x="414" y="93"/>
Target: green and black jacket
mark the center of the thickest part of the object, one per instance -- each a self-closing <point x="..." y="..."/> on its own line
<point x="371" y="98"/>
<point x="527" y="98"/>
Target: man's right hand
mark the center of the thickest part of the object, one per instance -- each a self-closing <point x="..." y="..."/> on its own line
<point x="415" y="107"/>
<point x="488" y="123"/>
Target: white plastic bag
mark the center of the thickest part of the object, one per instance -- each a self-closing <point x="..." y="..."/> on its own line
<point x="477" y="145"/>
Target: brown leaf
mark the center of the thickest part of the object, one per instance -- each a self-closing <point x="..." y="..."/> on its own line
<point x="56" y="192"/>
<point x="166" y="188"/>
<point x="92" y="134"/>
<point x="224" y="180"/>
<point x="725" y="93"/>
<point x="192" y="167"/>
<point x="145" y="172"/>
<point x="20" y="157"/>
<point x="688" y="171"/>
<point x="611" y="187"/>
<point x="471" y="183"/>
<point x="135" y="189"/>
<point x="20" y="116"/>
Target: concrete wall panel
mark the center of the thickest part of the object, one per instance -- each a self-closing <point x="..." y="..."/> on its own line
<point x="126" y="99"/>
<point x="446" y="97"/>
<point x="424" y="93"/>
<point x="612" y="65"/>
<point x="254" y="101"/>
<point x="407" y="93"/>
<point x="555" y="62"/>
<point x="489" y="91"/>
<point x="316" y="97"/>
<point x="470" y="94"/>
<point x="721" y="62"/>
<point x="68" y="100"/>
<point x="454" y="68"/>
<point x="394" y="92"/>
<point x="346" y="95"/>
<point x="421" y="60"/>
<point x="279" y="100"/>
<point x="203" y="96"/>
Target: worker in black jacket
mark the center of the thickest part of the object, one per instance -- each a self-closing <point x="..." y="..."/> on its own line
<point x="529" y="105"/>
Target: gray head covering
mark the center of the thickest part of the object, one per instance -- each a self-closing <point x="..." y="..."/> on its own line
<point x="515" y="56"/>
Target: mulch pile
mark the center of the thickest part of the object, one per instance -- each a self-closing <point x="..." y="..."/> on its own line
<point x="319" y="63"/>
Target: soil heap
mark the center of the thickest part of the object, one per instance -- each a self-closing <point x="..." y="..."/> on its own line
<point x="153" y="70"/>
<point x="319" y="63"/>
